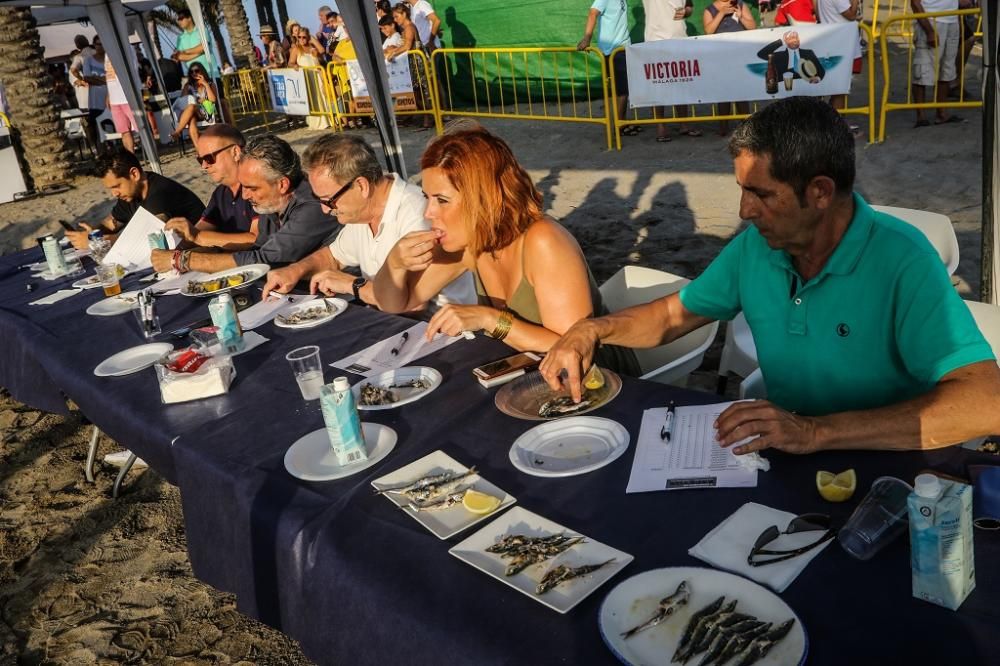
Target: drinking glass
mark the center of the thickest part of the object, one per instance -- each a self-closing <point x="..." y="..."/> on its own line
<point x="108" y="275"/>
<point x="880" y="518"/>
<point x="308" y="370"/>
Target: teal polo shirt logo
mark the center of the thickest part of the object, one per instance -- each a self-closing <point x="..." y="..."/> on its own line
<point x="879" y="324"/>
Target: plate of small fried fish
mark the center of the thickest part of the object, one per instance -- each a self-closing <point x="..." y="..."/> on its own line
<point x="431" y="491"/>
<point x="395" y="388"/>
<point x="540" y="558"/>
<point x="308" y="314"/>
<point x="704" y="617"/>
<point x="227" y="280"/>
<point x="530" y="398"/>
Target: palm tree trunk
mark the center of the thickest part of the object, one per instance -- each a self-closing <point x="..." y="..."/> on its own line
<point x="36" y="121"/>
<point x="282" y="17"/>
<point x="220" y="44"/>
<point x="235" y="17"/>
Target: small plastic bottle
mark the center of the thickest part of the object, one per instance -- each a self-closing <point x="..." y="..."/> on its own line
<point x="225" y="319"/>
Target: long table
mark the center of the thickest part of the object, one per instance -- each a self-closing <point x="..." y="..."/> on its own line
<point x="354" y="580"/>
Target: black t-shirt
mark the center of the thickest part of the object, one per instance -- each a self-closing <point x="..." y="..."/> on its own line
<point x="228" y="212"/>
<point x="164" y="197"/>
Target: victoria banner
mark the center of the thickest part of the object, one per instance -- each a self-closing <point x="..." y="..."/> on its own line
<point x="288" y="91"/>
<point x="771" y="63"/>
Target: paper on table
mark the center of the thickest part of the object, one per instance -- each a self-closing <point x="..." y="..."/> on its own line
<point x="728" y="545"/>
<point x="56" y="297"/>
<point x="691" y="459"/>
<point x="264" y="311"/>
<point x="379" y="358"/>
<point x="131" y="249"/>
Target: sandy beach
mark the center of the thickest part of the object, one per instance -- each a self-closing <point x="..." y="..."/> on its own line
<point x="86" y="579"/>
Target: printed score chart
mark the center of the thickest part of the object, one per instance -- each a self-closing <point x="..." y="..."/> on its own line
<point x="691" y="459"/>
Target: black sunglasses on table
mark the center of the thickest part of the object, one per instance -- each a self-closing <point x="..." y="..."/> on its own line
<point x="332" y="201"/>
<point x="807" y="522"/>
<point x="209" y="158"/>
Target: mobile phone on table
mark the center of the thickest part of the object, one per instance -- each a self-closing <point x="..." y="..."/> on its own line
<point x="506" y="369"/>
<point x="67" y="226"/>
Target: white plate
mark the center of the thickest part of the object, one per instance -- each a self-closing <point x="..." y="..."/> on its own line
<point x="396" y="377"/>
<point x="561" y="598"/>
<point x="311" y="458"/>
<point x="443" y="523"/>
<point x="634" y="601"/>
<point x="256" y="272"/>
<point x="337" y="305"/>
<point x="132" y="360"/>
<point x="114" y="305"/>
<point x="569" y="446"/>
<point x="88" y="282"/>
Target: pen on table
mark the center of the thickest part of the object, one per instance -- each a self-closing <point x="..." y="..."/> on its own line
<point x="402" y="341"/>
<point x="668" y="423"/>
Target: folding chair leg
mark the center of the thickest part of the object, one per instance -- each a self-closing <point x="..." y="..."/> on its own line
<point x="88" y="468"/>
<point x="121" y="475"/>
<point x="720" y="387"/>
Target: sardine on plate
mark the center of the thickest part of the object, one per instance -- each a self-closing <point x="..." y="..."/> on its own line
<point x="705" y="624"/>
<point x="562" y="406"/>
<point x="446" y="502"/>
<point x="562" y="573"/>
<point x="761" y="645"/>
<point x="426" y="481"/>
<point x="434" y="490"/>
<point x="693" y="623"/>
<point x="664" y="609"/>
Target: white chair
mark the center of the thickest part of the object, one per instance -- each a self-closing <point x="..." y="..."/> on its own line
<point x="988" y="320"/>
<point x="753" y="388"/>
<point x="667" y="363"/>
<point x="739" y="353"/>
<point x="937" y="227"/>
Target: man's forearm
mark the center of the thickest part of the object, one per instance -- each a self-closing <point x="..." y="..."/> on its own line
<point x="207" y="262"/>
<point x="648" y="325"/>
<point x="229" y="242"/>
<point x="964" y="404"/>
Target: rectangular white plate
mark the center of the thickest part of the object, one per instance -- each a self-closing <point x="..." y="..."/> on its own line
<point x="443" y="523"/>
<point x="564" y="596"/>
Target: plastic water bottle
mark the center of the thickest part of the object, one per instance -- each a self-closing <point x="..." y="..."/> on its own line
<point x="225" y="319"/>
<point x="98" y="245"/>
<point x="343" y="423"/>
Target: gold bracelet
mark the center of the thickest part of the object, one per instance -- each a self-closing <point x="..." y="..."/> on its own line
<point x="504" y="322"/>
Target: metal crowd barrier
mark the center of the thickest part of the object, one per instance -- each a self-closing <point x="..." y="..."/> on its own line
<point x="319" y="91"/>
<point x="559" y="84"/>
<point x="896" y="10"/>
<point x="654" y="117"/>
<point x="908" y="44"/>
<point x="344" y="105"/>
<point x="246" y="93"/>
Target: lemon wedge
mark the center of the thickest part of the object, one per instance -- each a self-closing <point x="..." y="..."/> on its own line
<point x="836" y="487"/>
<point x="478" y="502"/>
<point x="594" y="378"/>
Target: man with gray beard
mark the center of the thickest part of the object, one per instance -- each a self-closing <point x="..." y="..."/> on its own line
<point x="292" y="223"/>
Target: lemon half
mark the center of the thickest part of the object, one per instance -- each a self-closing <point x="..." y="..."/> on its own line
<point x="478" y="502"/>
<point x="836" y="487"/>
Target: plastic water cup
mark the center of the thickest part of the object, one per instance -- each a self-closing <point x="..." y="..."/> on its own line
<point x="108" y="275"/>
<point x="308" y="370"/>
<point x="880" y="518"/>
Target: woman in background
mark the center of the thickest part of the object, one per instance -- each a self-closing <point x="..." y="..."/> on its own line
<point x="486" y="217"/>
<point x="197" y="102"/>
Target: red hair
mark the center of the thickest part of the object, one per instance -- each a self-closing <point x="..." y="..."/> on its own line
<point x="500" y="202"/>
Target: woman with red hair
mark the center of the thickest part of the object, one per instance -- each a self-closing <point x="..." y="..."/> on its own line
<point x="486" y="217"/>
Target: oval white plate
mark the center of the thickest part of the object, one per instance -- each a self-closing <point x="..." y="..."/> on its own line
<point x="399" y="376"/>
<point x="311" y="458"/>
<point x="132" y="360"/>
<point x="633" y="601"/>
<point x="256" y="272"/>
<point x="337" y="305"/>
<point x="570" y="446"/>
<point x="114" y="305"/>
<point x="88" y="282"/>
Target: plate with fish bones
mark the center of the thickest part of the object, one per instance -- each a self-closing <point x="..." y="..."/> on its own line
<point x="694" y="615"/>
<point x="395" y="388"/>
<point x="308" y="314"/>
<point x="540" y="558"/>
<point x="530" y="398"/>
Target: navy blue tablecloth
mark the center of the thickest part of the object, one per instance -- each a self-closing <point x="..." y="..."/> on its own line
<point x="357" y="581"/>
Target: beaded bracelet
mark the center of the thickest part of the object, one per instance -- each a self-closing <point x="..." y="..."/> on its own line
<point x="175" y="261"/>
<point x="504" y="322"/>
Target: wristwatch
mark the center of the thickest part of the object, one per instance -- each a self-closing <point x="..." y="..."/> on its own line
<point x="356" y="286"/>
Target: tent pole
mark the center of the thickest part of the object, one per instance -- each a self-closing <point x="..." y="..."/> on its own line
<point x="988" y="288"/>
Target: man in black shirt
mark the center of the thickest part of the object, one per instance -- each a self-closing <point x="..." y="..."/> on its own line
<point x="122" y="174"/>
<point x="229" y="222"/>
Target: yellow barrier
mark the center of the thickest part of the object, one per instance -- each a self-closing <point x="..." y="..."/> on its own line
<point x="246" y="93"/>
<point x="4" y="119"/>
<point x="524" y="83"/>
<point x="888" y="106"/>
<point x="896" y="10"/>
<point x="422" y="103"/>
<point x="618" y="123"/>
<point x="319" y="91"/>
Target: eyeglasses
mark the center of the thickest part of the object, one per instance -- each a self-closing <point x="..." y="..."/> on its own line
<point x="332" y="201"/>
<point x="209" y="158"/>
<point x="808" y="522"/>
<point x="303" y="37"/>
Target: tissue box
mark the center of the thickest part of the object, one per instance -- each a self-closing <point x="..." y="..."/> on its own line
<point x="212" y="378"/>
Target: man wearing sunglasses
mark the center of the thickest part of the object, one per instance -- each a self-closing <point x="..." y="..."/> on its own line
<point x="291" y="223"/>
<point x="376" y="209"/>
<point x="229" y="222"/>
<point x="862" y="339"/>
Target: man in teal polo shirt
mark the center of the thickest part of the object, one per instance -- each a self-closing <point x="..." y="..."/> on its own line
<point x="189" y="46"/>
<point x="861" y="338"/>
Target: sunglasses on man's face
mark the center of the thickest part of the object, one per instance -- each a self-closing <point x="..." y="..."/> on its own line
<point x="332" y="201"/>
<point x="209" y="158"/>
<point x="808" y="522"/>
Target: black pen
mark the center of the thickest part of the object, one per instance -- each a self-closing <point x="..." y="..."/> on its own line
<point x="668" y="423"/>
<point x="402" y="341"/>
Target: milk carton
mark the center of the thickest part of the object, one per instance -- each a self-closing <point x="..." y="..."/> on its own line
<point x="941" y="554"/>
<point x="343" y="424"/>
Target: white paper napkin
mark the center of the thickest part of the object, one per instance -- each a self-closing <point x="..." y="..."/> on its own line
<point x="56" y="297"/>
<point x="728" y="545"/>
<point x="264" y="311"/>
